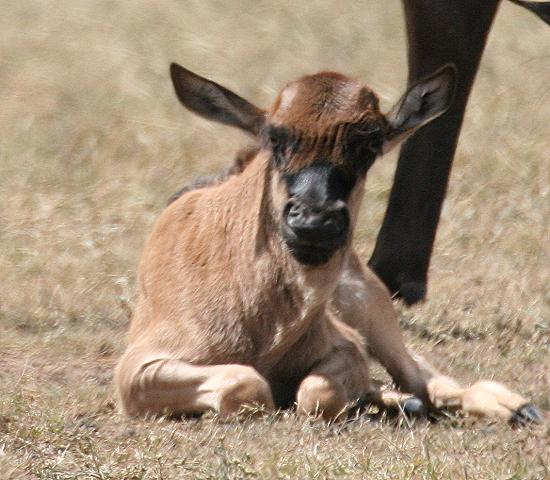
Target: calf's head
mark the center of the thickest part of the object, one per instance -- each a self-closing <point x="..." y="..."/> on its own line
<point x="322" y="134"/>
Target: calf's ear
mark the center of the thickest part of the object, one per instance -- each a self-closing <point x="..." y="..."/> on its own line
<point x="423" y="102"/>
<point x="214" y="102"/>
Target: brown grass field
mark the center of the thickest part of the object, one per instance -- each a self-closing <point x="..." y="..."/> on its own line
<point x="92" y="144"/>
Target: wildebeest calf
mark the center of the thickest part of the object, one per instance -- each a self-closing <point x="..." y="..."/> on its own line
<point x="249" y="289"/>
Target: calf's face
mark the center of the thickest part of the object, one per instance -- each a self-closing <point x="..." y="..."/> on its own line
<point x="322" y="133"/>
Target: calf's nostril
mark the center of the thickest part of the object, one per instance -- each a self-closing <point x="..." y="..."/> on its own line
<point x="335" y="218"/>
<point x="329" y="221"/>
<point x="314" y="223"/>
<point x="295" y="209"/>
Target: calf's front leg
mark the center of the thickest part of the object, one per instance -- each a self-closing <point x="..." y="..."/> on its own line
<point x="340" y="380"/>
<point x="363" y="302"/>
<point x="337" y="380"/>
<point x="484" y="398"/>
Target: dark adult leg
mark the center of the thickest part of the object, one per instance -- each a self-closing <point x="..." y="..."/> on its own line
<point x="439" y="32"/>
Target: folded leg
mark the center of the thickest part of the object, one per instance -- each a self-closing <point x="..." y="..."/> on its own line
<point x="337" y="380"/>
<point x="153" y="385"/>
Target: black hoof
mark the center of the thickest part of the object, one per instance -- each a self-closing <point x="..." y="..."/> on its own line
<point x="526" y="415"/>
<point x="413" y="407"/>
<point x="401" y="282"/>
<point x="412" y="292"/>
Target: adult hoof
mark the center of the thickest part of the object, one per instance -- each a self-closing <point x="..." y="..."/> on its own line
<point x="401" y="285"/>
<point x="526" y="415"/>
<point x="412" y="292"/>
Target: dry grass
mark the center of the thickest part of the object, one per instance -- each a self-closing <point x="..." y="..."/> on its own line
<point x="93" y="142"/>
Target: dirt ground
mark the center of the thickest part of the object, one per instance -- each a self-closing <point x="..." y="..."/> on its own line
<point x="92" y="144"/>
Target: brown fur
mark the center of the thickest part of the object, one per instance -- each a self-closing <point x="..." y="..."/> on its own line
<point x="226" y="316"/>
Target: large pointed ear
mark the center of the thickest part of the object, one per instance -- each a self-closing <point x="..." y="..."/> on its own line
<point x="423" y="102"/>
<point x="214" y="102"/>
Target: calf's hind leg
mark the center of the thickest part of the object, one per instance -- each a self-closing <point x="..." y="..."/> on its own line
<point x="153" y="385"/>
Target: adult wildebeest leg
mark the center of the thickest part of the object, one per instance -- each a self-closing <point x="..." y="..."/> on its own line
<point x="439" y="32"/>
<point x="151" y="384"/>
<point x="362" y="301"/>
